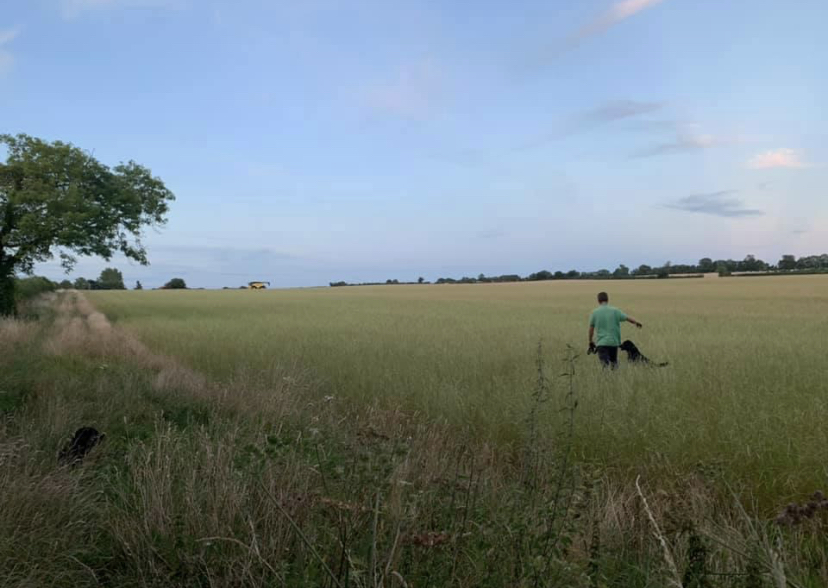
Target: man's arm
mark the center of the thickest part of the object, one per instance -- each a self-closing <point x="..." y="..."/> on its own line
<point x="591" y="334"/>
<point x="633" y="321"/>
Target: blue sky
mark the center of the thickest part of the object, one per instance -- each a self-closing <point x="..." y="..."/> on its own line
<point x="325" y="140"/>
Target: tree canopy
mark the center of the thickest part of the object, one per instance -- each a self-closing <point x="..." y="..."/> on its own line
<point x="58" y="200"/>
<point x="110" y="279"/>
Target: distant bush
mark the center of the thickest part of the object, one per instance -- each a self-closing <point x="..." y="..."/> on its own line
<point x="175" y="284"/>
<point x="26" y="288"/>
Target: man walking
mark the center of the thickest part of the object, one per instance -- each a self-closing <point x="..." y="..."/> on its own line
<point x="607" y="321"/>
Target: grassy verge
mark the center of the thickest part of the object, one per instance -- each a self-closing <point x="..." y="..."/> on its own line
<point x="265" y="479"/>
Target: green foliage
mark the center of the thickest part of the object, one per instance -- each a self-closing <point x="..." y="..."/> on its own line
<point x="541" y="275"/>
<point x="27" y="288"/>
<point x="706" y="265"/>
<point x="622" y="271"/>
<point x="176" y="284"/>
<point x="138" y="285"/>
<point x="788" y="262"/>
<point x="110" y="279"/>
<point x="58" y="199"/>
<point x="81" y="284"/>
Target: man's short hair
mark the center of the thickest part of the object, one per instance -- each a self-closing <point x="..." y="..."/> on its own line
<point x="603" y="297"/>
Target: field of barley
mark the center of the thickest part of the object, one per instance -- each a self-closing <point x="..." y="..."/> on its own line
<point x="744" y="395"/>
<point x="417" y="436"/>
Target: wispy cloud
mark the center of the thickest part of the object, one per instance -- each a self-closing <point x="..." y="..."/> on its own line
<point x="74" y="8"/>
<point x="413" y="93"/>
<point x="784" y="157"/>
<point x="606" y="113"/>
<point x="687" y="138"/>
<point x="6" y="56"/>
<point x="615" y="14"/>
<point x="490" y="234"/>
<point x="721" y="203"/>
<point x="618" y="12"/>
<point x="617" y="110"/>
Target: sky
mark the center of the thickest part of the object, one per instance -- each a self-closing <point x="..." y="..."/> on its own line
<point x="317" y="141"/>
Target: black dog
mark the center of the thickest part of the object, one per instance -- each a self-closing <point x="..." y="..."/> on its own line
<point x="82" y="443"/>
<point x="635" y="356"/>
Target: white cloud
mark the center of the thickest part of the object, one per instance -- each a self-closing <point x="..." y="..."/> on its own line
<point x="412" y="94"/>
<point x="784" y="157"/>
<point x="6" y="57"/>
<point x="618" y="12"/>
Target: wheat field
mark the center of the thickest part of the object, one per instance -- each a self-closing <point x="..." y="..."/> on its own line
<point x="391" y="437"/>
<point x="744" y="394"/>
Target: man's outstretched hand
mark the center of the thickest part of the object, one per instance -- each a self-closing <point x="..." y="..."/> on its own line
<point x="638" y="325"/>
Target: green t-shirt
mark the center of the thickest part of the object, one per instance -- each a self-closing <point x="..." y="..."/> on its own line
<point x="607" y="322"/>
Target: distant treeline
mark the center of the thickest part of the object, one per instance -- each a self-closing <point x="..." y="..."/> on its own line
<point x="750" y="265"/>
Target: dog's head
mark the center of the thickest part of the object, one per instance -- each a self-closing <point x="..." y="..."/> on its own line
<point x="628" y="346"/>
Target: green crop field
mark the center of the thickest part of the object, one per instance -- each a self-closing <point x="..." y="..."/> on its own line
<point x="745" y="391"/>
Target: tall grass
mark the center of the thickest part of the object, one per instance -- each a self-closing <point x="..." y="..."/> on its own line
<point x="744" y="393"/>
<point x="263" y="479"/>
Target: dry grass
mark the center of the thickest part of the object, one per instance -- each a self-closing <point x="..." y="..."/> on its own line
<point x="13" y="333"/>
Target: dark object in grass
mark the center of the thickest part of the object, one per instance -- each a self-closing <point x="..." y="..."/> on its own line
<point x="82" y="443"/>
<point x="635" y="356"/>
<point x="592" y="349"/>
<point x="797" y="513"/>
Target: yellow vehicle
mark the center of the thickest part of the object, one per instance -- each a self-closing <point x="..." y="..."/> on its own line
<point x="258" y="285"/>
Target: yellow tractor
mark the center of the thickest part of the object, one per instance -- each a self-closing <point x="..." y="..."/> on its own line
<point x="258" y="285"/>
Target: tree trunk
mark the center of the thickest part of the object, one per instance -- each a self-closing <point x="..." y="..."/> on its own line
<point x="7" y="306"/>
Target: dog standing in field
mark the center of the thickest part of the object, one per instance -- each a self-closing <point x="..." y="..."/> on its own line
<point x="81" y="443"/>
<point x="634" y="355"/>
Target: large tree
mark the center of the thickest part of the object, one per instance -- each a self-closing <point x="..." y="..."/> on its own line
<point x="57" y="199"/>
<point x="111" y="279"/>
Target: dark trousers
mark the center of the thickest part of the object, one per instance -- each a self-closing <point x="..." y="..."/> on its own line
<point x="608" y="356"/>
